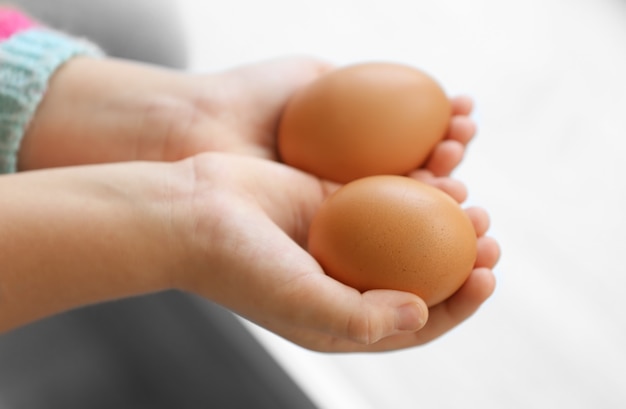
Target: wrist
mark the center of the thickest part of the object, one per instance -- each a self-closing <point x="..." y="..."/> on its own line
<point x="29" y="56"/>
<point x="106" y="110"/>
<point x="154" y="197"/>
<point x="77" y="236"/>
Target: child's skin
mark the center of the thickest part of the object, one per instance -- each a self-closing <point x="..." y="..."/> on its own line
<point x="193" y="203"/>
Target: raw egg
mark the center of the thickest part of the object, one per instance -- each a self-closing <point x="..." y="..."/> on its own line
<point x="363" y="120"/>
<point x="394" y="232"/>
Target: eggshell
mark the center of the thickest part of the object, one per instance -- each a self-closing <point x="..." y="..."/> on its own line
<point x="393" y="232"/>
<point x="363" y="120"/>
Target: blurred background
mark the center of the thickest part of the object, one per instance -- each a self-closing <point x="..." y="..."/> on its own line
<point x="548" y="163"/>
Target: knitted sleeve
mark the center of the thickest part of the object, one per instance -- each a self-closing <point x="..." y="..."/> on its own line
<point x="29" y="56"/>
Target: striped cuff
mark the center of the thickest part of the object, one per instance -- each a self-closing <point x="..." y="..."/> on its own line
<point x="27" y="61"/>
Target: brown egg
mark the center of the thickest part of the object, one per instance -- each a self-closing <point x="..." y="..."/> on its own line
<point x="393" y="232"/>
<point x="362" y="120"/>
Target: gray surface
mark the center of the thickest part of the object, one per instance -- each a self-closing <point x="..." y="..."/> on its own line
<point x="162" y="351"/>
<point x="143" y="30"/>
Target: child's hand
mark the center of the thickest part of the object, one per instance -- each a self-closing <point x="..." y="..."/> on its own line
<point x="102" y="111"/>
<point x="240" y="110"/>
<point x="232" y="228"/>
<point x="247" y="221"/>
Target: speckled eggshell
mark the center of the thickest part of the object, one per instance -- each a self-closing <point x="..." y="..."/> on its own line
<point x="393" y="232"/>
<point x="362" y="120"/>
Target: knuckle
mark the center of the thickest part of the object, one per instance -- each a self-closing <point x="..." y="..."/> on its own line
<point x="362" y="329"/>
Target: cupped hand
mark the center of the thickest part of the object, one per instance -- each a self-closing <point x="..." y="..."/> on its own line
<point x="247" y="222"/>
<point x="239" y="110"/>
<point x="261" y="268"/>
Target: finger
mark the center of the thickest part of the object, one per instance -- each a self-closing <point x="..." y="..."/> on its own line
<point x="487" y="252"/>
<point x="454" y="188"/>
<point x="323" y="342"/>
<point x="462" y="105"/>
<point x="443" y="317"/>
<point x="480" y="220"/>
<point x="462" y="129"/>
<point x="445" y="157"/>
<point x="456" y="309"/>
<point x="325" y="306"/>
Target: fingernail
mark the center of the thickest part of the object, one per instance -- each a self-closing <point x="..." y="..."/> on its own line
<point x="410" y="317"/>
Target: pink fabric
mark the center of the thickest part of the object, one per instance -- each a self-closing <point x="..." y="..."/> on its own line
<point x="12" y="21"/>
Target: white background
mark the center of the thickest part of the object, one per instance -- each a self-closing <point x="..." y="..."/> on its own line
<point x="548" y="163"/>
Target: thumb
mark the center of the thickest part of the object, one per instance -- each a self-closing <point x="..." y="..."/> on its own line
<point x="363" y="318"/>
<point x="382" y="313"/>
